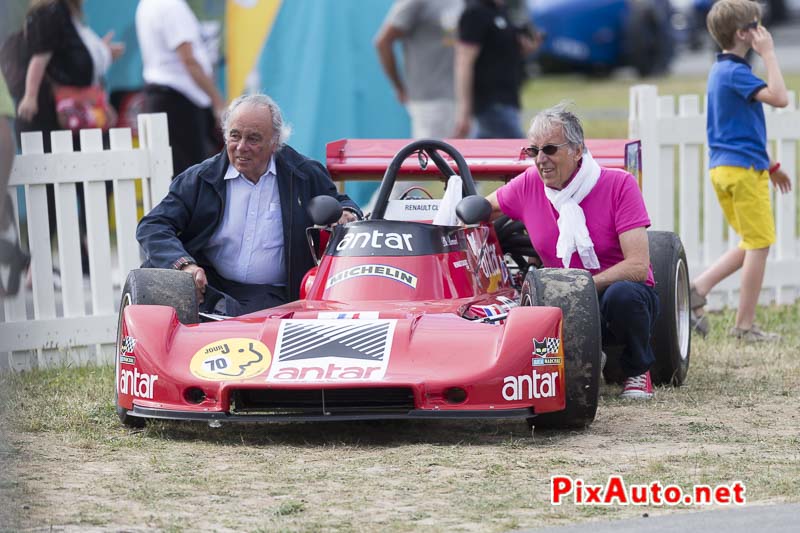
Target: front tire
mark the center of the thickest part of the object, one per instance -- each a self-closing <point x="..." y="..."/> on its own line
<point x="154" y="286"/>
<point x="574" y="292"/>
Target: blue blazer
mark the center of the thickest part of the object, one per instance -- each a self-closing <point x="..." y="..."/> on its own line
<point x="181" y="225"/>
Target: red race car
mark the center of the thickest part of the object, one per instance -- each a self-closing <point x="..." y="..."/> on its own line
<point x="402" y="318"/>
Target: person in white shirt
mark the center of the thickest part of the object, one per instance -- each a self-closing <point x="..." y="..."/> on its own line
<point x="427" y="31"/>
<point x="177" y="73"/>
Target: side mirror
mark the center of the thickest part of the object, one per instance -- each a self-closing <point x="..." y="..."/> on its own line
<point x="474" y="209"/>
<point x="324" y="210"/>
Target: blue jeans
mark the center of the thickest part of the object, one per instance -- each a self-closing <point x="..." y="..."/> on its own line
<point x="499" y="121"/>
<point x="628" y="311"/>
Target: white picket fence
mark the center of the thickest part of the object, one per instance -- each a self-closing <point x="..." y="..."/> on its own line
<point x="74" y="321"/>
<point x="680" y="197"/>
<point x="71" y="321"/>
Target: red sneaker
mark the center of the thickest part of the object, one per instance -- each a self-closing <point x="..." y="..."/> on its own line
<point x="638" y="387"/>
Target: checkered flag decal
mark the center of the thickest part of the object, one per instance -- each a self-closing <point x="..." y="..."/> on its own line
<point x="552" y="344"/>
<point x="127" y="345"/>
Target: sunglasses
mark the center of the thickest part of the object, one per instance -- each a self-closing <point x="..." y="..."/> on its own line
<point x="750" y="25"/>
<point x="547" y="149"/>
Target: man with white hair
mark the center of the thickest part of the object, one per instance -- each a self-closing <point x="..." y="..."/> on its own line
<point x="580" y="215"/>
<point x="237" y="220"/>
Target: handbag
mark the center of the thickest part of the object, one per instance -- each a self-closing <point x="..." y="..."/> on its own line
<point x="83" y="107"/>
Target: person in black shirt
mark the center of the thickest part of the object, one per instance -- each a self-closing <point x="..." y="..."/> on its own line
<point x="488" y="65"/>
<point x="54" y="48"/>
<point x="57" y="49"/>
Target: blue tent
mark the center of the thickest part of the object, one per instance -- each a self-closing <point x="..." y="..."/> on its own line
<point x="317" y="62"/>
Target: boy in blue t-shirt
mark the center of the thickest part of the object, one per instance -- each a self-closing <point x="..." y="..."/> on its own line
<point x="739" y="162"/>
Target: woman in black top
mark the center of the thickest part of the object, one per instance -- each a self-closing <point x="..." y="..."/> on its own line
<point x="58" y="49"/>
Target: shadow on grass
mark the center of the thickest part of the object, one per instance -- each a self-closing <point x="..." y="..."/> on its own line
<point x="371" y="433"/>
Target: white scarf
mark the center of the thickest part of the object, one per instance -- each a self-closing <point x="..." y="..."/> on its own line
<point x="573" y="236"/>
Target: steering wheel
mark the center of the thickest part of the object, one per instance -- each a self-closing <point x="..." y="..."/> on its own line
<point x="422" y="190"/>
<point x="515" y="241"/>
<point x="431" y="147"/>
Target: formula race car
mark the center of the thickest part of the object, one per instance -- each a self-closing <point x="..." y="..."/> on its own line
<point x="402" y="318"/>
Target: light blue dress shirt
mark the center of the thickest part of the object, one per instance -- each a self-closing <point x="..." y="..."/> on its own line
<point x="248" y="245"/>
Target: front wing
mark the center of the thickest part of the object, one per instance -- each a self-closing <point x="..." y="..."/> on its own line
<point x="329" y="366"/>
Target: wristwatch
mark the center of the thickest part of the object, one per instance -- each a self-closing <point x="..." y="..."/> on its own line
<point x="351" y="210"/>
<point x="182" y="262"/>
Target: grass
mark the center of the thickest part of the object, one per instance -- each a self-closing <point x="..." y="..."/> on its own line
<point x="70" y="463"/>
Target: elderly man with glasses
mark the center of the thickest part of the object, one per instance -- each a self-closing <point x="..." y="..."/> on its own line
<point x="579" y="215"/>
<point x="237" y="220"/>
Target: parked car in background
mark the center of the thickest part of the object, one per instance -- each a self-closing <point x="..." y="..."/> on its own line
<point x="597" y="36"/>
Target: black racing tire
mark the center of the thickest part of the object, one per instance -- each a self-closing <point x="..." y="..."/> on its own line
<point x="671" y="339"/>
<point x="573" y="291"/>
<point x="154" y="286"/>
<point x="164" y="286"/>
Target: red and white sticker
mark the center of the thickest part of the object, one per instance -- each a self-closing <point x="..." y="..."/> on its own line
<point x="333" y="350"/>
<point x="350" y="315"/>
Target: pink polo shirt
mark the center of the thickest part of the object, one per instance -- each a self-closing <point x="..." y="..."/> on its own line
<point x="615" y="205"/>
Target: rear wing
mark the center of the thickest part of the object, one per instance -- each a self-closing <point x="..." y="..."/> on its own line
<point x="488" y="159"/>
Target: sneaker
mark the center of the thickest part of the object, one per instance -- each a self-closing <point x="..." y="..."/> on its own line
<point x="699" y="323"/>
<point x="638" y="387"/>
<point x="695" y="300"/>
<point x="754" y="335"/>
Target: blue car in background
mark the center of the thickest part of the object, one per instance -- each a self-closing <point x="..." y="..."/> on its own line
<point x="597" y="36"/>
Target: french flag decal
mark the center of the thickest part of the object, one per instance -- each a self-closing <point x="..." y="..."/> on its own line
<point x="351" y="315"/>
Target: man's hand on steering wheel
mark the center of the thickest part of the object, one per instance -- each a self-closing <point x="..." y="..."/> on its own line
<point x="347" y="216"/>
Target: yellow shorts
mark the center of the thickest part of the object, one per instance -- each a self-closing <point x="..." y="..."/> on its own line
<point x="744" y="196"/>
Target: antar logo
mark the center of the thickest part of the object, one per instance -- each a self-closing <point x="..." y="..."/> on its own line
<point x="537" y="385"/>
<point x="136" y="384"/>
<point x="377" y="240"/>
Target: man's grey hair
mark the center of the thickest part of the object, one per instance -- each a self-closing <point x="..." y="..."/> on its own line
<point x="282" y="131"/>
<point x="559" y="115"/>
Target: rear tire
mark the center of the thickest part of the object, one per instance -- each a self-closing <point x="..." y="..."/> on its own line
<point x="154" y="286"/>
<point x="573" y="291"/>
<point x="671" y="339"/>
